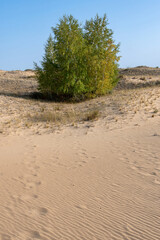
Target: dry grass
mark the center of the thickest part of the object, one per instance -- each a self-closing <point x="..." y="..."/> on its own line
<point x="70" y="116"/>
<point x="91" y="115"/>
<point x="45" y="117"/>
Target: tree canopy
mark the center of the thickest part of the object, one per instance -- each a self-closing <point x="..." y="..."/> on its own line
<point x="79" y="60"/>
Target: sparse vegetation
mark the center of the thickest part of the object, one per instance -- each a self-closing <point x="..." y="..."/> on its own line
<point x="22" y="111"/>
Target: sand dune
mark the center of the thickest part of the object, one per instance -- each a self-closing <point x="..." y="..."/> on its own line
<point x="89" y="180"/>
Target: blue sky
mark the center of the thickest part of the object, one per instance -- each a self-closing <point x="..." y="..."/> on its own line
<point x="26" y="24"/>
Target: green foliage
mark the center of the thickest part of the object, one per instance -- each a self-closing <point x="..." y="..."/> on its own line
<point x="79" y="61"/>
<point x="102" y="57"/>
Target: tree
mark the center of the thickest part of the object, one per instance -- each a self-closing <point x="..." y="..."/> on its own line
<point x="102" y="57"/>
<point x="79" y="61"/>
<point x="49" y="70"/>
<point x="69" y="53"/>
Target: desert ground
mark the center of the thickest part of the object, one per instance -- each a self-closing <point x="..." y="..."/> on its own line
<point x="87" y="170"/>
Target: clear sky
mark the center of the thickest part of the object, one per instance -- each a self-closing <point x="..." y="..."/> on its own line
<point x="26" y="24"/>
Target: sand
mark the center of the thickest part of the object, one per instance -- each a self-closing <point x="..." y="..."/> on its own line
<point x="79" y="179"/>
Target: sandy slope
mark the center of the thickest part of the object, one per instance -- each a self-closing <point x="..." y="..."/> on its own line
<point x="90" y="180"/>
<point x="73" y="185"/>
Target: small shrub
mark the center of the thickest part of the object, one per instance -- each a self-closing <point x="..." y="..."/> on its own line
<point x="142" y="78"/>
<point x="92" y="115"/>
<point x="155" y="110"/>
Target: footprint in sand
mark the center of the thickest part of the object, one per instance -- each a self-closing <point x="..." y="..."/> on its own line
<point x="35" y="196"/>
<point x="83" y="153"/>
<point x="9" y="211"/>
<point x="43" y="211"/>
<point x="31" y="185"/>
<point x="35" y="235"/>
<point x="157" y="181"/>
<point x="81" y="207"/>
<point x="5" y="237"/>
<point x="81" y="163"/>
<point x="82" y="156"/>
<point x="38" y="212"/>
<point x="27" y="197"/>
